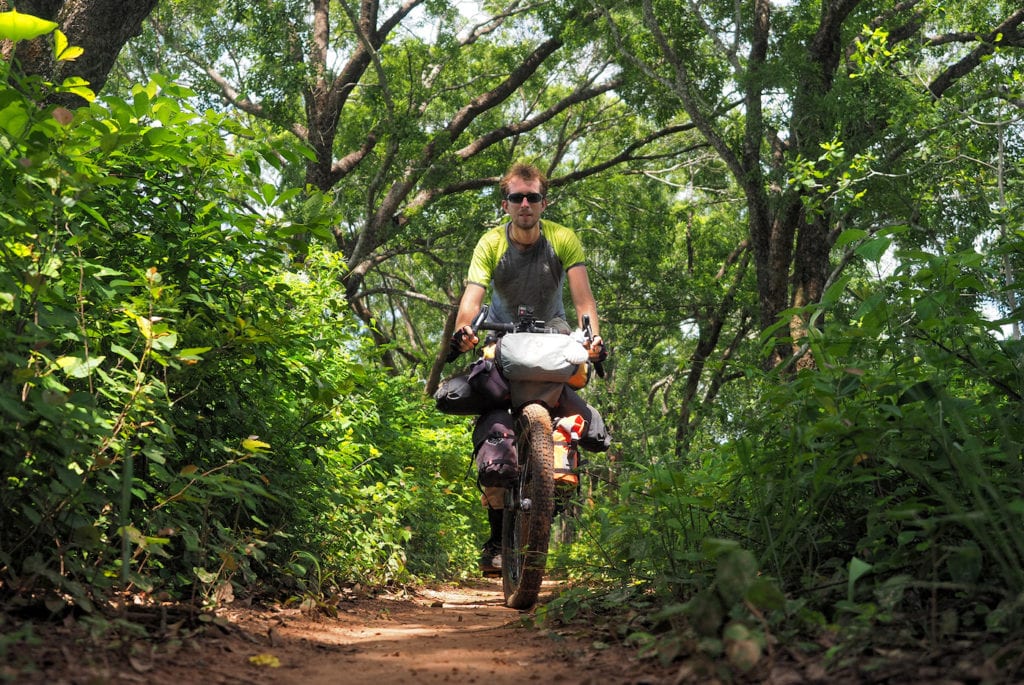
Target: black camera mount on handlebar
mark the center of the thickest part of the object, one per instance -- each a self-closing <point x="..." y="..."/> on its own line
<point x="526" y="322"/>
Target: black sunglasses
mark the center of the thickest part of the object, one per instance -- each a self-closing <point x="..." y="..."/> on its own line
<point x="518" y="197"/>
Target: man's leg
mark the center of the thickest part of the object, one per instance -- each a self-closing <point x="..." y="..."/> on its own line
<point x="490" y="555"/>
<point x="494" y="443"/>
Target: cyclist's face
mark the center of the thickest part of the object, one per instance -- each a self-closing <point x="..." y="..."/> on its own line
<point x="524" y="214"/>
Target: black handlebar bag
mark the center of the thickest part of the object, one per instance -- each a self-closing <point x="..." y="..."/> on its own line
<point x="476" y="392"/>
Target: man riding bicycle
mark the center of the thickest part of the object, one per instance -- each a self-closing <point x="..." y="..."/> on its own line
<point x="525" y="263"/>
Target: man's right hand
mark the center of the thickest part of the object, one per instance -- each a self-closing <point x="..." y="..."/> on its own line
<point x="463" y="340"/>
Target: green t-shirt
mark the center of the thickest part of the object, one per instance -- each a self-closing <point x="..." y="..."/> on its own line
<point x="533" y="277"/>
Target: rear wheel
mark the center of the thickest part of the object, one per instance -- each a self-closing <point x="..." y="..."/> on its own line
<point x="529" y="508"/>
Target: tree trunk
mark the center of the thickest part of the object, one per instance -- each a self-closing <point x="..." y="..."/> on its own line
<point x="441" y="359"/>
<point x="100" y="27"/>
<point x="810" y="271"/>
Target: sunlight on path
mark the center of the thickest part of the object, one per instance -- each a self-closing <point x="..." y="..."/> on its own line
<point x="457" y="635"/>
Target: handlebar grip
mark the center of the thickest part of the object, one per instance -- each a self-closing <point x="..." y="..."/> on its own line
<point x="589" y="335"/>
<point x="480" y="316"/>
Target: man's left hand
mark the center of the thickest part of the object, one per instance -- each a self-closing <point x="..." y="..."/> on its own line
<point x="597" y="351"/>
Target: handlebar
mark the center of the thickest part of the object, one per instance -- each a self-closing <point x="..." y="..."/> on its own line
<point x="524" y="324"/>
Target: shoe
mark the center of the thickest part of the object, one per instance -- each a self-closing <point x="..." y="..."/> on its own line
<point x="490" y="560"/>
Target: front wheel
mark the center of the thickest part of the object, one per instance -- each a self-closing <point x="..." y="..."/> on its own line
<point x="529" y="508"/>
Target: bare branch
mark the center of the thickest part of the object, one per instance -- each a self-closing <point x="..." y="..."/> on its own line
<point x="456" y="126"/>
<point x="732" y="257"/>
<point x="628" y="154"/>
<point x="663" y="384"/>
<point x="346" y="164"/>
<point x="581" y="94"/>
<point x="729" y="52"/>
<point x="406" y="295"/>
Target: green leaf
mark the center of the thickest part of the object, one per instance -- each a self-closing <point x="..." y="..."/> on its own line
<point x="79" y="86"/>
<point x="269" y="192"/>
<point x="307" y="152"/>
<point x="193" y="353"/>
<point x="158" y="135"/>
<point x="14" y="119"/>
<point x="17" y="26"/>
<point x="124" y="352"/>
<point x="203" y="575"/>
<point x="858" y="568"/>
<point x="850" y="235"/>
<point x="63" y="52"/>
<point x="76" y="367"/>
<point x="873" y="250"/>
<point x="165" y="340"/>
<point x="252" y="444"/>
<point x="835" y="291"/>
<point x="93" y="213"/>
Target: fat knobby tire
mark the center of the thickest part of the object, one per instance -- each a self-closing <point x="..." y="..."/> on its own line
<point x="526" y="533"/>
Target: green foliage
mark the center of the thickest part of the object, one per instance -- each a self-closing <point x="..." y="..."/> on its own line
<point x="111" y="210"/>
<point x="899" y="455"/>
<point x="178" y="411"/>
<point x="377" y="467"/>
<point x="188" y="404"/>
<point x="844" y="498"/>
<point x="16" y="26"/>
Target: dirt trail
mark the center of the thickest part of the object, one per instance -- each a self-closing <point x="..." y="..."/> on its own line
<point x="445" y="635"/>
<point x="453" y="634"/>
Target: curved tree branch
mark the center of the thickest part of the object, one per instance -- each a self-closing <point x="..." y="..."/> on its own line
<point x="1007" y="33"/>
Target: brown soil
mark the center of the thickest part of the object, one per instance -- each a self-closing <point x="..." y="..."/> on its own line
<point x="451" y="634"/>
<point x="448" y="634"/>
